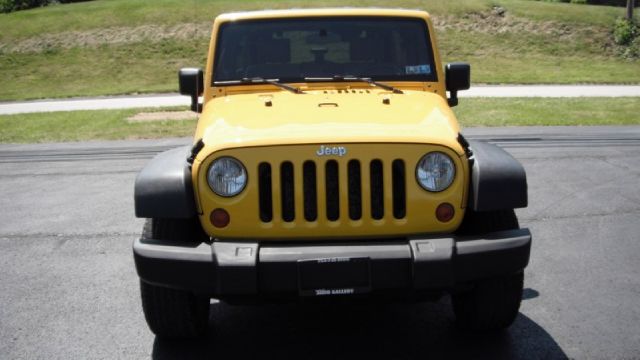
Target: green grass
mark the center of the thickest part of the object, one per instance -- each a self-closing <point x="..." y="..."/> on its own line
<point x="580" y="14"/>
<point x="130" y="13"/>
<point x="116" y="13"/>
<point x="537" y="42"/>
<point x="548" y="111"/>
<point x="540" y="69"/>
<point x="113" y="124"/>
<point x="511" y="58"/>
<point x="141" y="67"/>
<point x="88" y="125"/>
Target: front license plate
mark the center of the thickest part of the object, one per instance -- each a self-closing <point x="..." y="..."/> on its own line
<point x="334" y="276"/>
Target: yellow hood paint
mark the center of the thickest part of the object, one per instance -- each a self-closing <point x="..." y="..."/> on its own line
<point x="327" y="116"/>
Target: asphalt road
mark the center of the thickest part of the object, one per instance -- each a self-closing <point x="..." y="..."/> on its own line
<point x="68" y="288"/>
<point x="165" y="100"/>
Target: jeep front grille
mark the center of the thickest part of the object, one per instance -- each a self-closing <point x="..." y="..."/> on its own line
<point x="306" y="182"/>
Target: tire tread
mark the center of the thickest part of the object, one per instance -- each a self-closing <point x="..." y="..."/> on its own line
<point x="173" y="313"/>
<point x="492" y="304"/>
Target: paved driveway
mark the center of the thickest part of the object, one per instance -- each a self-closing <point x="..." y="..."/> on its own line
<point x="68" y="289"/>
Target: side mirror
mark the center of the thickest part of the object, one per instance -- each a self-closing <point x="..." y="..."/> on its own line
<point x="457" y="77"/>
<point x="191" y="83"/>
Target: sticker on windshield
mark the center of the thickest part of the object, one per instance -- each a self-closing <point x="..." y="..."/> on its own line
<point x="417" y="69"/>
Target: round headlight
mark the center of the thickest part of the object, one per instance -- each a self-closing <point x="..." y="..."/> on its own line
<point x="435" y="171"/>
<point x="227" y="176"/>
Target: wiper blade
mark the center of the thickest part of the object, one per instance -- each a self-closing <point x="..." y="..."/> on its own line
<point x="356" y="78"/>
<point x="274" y="82"/>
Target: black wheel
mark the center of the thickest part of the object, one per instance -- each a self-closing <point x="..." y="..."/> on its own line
<point x="492" y="304"/>
<point x="169" y="312"/>
<point x="174" y="313"/>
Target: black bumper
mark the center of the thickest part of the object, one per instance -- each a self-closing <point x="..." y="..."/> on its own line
<point x="249" y="269"/>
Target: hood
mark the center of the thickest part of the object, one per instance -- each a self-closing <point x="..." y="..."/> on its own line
<point x="327" y="117"/>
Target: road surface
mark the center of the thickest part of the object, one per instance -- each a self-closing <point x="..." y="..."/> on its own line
<point x="69" y="290"/>
<point x="164" y="100"/>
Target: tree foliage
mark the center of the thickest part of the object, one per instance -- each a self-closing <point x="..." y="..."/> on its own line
<point x="7" y="6"/>
<point x="594" y="2"/>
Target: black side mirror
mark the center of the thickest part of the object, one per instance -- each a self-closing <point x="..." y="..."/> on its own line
<point x="457" y="77"/>
<point x="191" y="83"/>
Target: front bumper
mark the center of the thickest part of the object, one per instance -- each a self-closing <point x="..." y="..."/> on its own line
<point x="253" y="270"/>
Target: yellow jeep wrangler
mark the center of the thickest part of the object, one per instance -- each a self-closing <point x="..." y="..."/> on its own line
<point x="326" y="164"/>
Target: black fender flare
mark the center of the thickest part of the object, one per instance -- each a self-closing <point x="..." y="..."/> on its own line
<point x="163" y="188"/>
<point x="498" y="180"/>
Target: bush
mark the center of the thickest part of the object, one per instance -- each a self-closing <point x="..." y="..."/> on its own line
<point x="14" y="5"/>
<point x="622" y="3"/>
<point x="7" y="6"/>
<point x="624" y="31"/>
<point x="593" y="2"/>
<point x="633" y="50"/>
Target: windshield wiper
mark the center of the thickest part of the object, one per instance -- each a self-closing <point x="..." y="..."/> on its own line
<point x="259" y="80"/>
<point x="355" y="78"/>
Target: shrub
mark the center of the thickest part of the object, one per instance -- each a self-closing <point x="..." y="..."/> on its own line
<point x="593" y="2"/>
<point x="624" y="31"/>
<point x="14" y="5"/>
<point x="7" y="6"/>
<point x="633" y="50"/>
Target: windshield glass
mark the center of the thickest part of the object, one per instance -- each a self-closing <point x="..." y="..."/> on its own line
<point x="381" y="48"/>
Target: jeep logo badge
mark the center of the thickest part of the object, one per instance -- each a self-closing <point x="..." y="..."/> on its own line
<point x="331" y="150"/>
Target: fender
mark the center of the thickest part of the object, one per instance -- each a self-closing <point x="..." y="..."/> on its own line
<point x="163" y="188"/>
<point x="498" y="181"/>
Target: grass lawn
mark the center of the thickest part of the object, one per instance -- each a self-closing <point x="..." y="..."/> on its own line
<point x="104" y="70"/>
<point x="88" y="125"/>
<point x="114" y="124"/>
<point x="136" y="46"/>
<point x="131" y="13"/>
<point x="547" y="111"/>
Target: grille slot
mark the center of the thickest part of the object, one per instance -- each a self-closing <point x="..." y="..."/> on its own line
<point x="310" y="191"/>
<point x="399" y="189"/>
<point x="264" y="189"/>
<point x="355" y="190"/>
<point x="332" y="190"/>
<point x="377" y="189"/>
<point x="287" y="191"/>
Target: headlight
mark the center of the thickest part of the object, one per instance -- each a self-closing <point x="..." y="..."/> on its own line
<point x="227" y="176"/>
<point x="435" y="171"/>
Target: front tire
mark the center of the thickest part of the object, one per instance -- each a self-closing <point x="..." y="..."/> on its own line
<point x="173" y="313"/>
<point x="492" y="304"/>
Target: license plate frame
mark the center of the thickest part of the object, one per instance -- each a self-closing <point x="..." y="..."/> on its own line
<point x="334" y="276"/>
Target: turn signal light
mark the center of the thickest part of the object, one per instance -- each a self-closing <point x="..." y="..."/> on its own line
<point x="219" y="218"/>
<point x="445" y="212"/>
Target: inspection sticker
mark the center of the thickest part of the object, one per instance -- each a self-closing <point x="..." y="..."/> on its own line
<point x="417" y="69"/>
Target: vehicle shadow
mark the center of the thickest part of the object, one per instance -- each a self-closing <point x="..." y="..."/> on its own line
<point x="347" y="331"/>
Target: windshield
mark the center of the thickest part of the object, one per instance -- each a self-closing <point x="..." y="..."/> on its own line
<point x="380" y="48"/>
